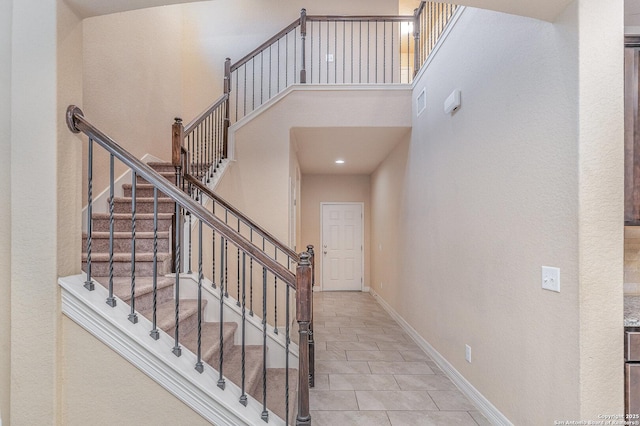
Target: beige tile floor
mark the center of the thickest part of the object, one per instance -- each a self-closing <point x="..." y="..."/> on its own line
<point x="369" y="372"/>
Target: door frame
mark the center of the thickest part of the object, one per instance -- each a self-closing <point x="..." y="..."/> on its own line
<point x="362" y="259"/>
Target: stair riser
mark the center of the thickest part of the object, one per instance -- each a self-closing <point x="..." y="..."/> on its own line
<point x="142" y="225"/>
<point x="171" y="177"/>
<point x="214" y="358"/>
<point x="124" y="206"/>
<point x="123" y="269"/>
<point x="142" y="192"/>
<point x="187" y="325"/>
<point x="123" y="245"/>
<point x="163" y="168"/>
<point x="145" y="302"/>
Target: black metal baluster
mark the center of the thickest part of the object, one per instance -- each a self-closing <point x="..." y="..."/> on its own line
<point x="251" y="278"/>
<point x="177" y="350"/>
<point x="270" y="70"/>
<point x="132" y="315"/>
<point x="384" y="52"/>
<point x="310" y="51"/>
<point x="236" y="106"/>
<point x="335" y="51"/>
<point x="351" y="51"/>
<point x="344" y="52"/>
<point x="376" y="50"/>
<point x="261" y="77"/>
<point x="244" y="101"/>
<point x="111" y="301"/>
<point x="213" y="256"/>
<point x="319" y="52"/>
<point x="221" y="382"/>
<point x="265" y="413"/>
<point x="155" y="334"/>
<point x="253" y="84"/>
<point x="287" y="341"/>
<point x="199" y="364"/>
<point x="89" y="283"/>
<point x="392" y="46"/>
<point x="278" y="69"/>
<point x="226" y="259"/>
<point x="243" y="397"/>
<point x="238" y="269"/>
<point x="360" y="54"/>
<point x="275" y="296"/>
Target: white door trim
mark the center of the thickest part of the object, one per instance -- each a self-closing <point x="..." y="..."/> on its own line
<point x="321" y="248"/>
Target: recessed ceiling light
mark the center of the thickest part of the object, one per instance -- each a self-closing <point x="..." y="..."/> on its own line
<point x="339" y="161"/>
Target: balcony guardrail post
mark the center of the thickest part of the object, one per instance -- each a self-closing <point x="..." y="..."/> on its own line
<point x="303" y="35"/>
<point x="303" y="315"/>
<point x="312" y="345"/>
<point x="227" y="91"/>
<point x="416" y="38"/>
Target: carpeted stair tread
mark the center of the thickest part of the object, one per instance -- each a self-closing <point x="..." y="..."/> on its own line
<point x="210" y="339"/>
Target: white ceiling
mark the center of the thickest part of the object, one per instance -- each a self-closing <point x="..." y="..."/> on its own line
<point x="362" y="149"/>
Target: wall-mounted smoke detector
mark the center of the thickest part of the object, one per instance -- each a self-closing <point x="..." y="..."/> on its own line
<point x="452" y="103"/>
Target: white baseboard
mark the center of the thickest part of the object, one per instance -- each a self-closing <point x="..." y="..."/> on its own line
<point x="492" y="414"/>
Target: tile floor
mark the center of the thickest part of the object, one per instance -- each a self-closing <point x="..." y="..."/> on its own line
<point x="370" y="372"/>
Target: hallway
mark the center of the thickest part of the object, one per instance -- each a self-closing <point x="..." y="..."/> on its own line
<point x="370" y="372"/>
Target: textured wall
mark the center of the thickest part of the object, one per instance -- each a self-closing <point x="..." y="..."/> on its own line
<point x="105" y="389"/>
<point x="5" y="206"/>
<point x="34" y="291"/>
<point x="601" y="170"/>
<point x="485" y="197"/>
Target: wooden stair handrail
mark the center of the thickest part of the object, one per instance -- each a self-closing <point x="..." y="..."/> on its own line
<point x="77" y="123"/>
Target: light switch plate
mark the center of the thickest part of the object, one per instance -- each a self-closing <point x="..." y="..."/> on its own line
<point x="551" y="278"/>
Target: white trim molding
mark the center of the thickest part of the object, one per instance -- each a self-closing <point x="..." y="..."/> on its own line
<point x="155" y="357"/>
<point x="492" y="414"/>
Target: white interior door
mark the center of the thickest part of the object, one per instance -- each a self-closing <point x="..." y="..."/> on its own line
<point x="342" y="246"/>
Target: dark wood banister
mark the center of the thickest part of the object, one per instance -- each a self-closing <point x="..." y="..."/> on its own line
<point x="372" y="18"/>
<point x="257" y="228"/>
<point x="77" y="123"/>
<point x="246" y="58"/>
<point x="294" y="24"/>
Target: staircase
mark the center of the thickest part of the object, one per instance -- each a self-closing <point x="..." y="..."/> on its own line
<point x="164" y="297"/>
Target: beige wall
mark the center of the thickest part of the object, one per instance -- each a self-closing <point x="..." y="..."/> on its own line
<point x="5" y="208"/>
<point x="387" y="210"/>
<point x="601" y="178"/>
<point x="485" y="197"/>
<point x="102" y="388"/>
<point x="318" y="189"/>
<point x="132" y="82"/>
<point x="258" y="182"/>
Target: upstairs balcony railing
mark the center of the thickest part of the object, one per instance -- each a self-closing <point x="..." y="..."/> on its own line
<point x="313" y="49"/>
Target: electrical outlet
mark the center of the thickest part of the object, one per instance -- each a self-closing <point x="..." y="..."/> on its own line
<point x="551" y="278"/>
<point x="467" y="353"/>
<point x="381" y="285"/>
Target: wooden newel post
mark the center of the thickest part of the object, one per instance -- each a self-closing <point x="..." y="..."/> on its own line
<point x="177" y="136"/>
<point x="312" y="345"/>
<point x="303" y="35"/>
<point x="304" y="317"/>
